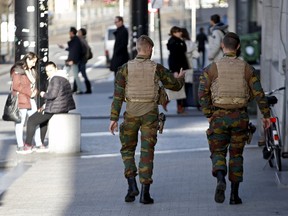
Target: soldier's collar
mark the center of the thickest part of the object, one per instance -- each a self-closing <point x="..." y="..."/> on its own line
<point x="230" y="54"/>
<point x="142" y="57"/>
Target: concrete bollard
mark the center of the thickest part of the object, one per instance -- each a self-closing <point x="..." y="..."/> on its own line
<point x="65" y="133"/>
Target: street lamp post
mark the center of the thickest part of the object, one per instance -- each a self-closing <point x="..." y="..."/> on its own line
<point x="31" y="35"/>
<point x="78" y="14"/>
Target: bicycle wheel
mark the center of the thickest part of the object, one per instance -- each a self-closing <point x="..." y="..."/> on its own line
<point x="277" y="157"/>
<point x="271" y="161"/>
<point x="267" y="150"/>
<point x="274" y="145"/>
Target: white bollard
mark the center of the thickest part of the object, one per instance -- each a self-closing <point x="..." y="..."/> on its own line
<point x="65" y="133"/>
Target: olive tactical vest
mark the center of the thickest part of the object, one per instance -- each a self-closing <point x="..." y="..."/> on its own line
<point x="142" y="84"/>
<point x="230" y="87"/>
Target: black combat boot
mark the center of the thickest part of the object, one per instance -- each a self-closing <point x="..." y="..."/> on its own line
<point x="132" y="190"/>
<point x="88" y="87"/>
<point x="145" y="197"/>
<point x="220" y="188"/>
<point x="234" y="198"/>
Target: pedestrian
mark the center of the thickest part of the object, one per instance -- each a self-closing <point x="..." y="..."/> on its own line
<point x="226" y="86"/>
<point x="192" y="55"/>
<point x="120" y="51"/>
<point x="177" y="58"/>
<point x="75" y="54"/>
<point x="137" y="83"/>
<point x="201" y="39"/>
<point x="82" y="32"/>
<point x="191" y="51"/>
<point x="58" y="99"/>
<point x="24" y="83"/>
<point x="218" y="30"/>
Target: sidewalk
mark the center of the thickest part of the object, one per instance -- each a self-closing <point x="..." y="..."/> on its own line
<point x="76" y="186"/>
<point x="83" y="185"/>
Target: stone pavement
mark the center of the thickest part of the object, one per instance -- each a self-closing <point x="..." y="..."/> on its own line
<point x="83" y="185"/>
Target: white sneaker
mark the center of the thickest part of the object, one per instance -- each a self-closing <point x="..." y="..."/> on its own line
<point x="22" y="150"/>
<point x="41" y="148"/>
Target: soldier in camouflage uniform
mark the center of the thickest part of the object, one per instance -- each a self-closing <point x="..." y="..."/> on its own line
<point x="137" y="84"/>
<point x="225" y="88"/>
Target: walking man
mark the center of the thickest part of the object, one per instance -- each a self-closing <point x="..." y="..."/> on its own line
<point x="137" y="83"/>
<point x="225" y="88"/>
<point x="75" y="53"/>
<point x="201" y="39"/>
<point x="82" y="32"/>
<point x="120" y="52"/>
<point x="218" y="31"/>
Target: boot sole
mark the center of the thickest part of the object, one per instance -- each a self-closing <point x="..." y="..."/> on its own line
<point x="134" y="193"/>
<point x="220" y="192"/>
<point x="129" y="198"/>
<point x="235" y="202"/>
<point x="147" y="202"/>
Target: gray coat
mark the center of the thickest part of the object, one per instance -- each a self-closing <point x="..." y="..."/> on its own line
<point x="58" y="96"/>
<point x="214" y="49"/>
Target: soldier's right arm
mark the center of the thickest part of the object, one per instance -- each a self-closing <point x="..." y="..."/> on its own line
<point x="167" y="78"/>
<point x="119" y="93"/>
<point x="204" y="94"/>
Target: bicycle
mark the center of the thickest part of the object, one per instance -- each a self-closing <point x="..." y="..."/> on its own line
<point x="273" y="144"/>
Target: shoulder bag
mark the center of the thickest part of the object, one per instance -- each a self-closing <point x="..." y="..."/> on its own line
<point x="11" y="110"/>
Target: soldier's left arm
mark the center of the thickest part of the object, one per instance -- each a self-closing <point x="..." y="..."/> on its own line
<point x="119" y="93"/>
<point x="257" y="91"/>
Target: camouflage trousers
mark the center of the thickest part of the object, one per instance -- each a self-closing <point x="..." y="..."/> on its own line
<point x="228" y="132"/>
<point x="148" y="125"/>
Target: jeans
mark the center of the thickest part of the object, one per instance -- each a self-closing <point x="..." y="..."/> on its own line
<point x="75" y="70"/>
<point x="37" y="119"/>
<point x="20" y="126"/>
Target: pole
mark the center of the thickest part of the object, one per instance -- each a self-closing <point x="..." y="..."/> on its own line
<point x="26" y="31"/>
<point x="31" y="35"/>
<point x="42" y="45"/>
<point x="285" y="113"/>
<point x="78" y="14"/>
<point x="160" y="37"/>
<point x="121" y="8"/>
<point x="138" y="22"/>
<point x="193" y="20"/>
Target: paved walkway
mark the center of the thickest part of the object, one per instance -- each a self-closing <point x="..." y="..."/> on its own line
<point x="79" y="185"/>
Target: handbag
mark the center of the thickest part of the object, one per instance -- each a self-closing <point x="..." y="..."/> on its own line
<point x="188" y="76"/>
<point x="175" y="95"/>
<point x="11" y="110"/>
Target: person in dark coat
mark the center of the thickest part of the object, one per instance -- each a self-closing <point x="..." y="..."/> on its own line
<point x="177" y="58"/>
<point x="201" y="39"/>
<point x="58" y="99"/>
<point x="75" y="54"/>
<point x="82" y="32"/>
<point x="120" y="52"/>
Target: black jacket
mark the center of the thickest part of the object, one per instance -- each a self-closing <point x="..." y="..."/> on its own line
<point x="120" y="52"/>
<point x="75" y="50"/>
<point x="177" y="57"/>
<point x="58" y="96"/>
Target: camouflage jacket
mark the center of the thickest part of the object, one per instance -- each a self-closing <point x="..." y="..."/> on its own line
<point x="210" y="74"/>
<point x="165" y="76"/>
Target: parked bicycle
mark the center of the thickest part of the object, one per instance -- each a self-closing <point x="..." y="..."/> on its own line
<point x="273" y="144"/>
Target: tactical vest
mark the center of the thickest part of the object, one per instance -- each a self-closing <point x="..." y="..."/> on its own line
<point x="142" y="84"/>
<point x="230" y="87"/>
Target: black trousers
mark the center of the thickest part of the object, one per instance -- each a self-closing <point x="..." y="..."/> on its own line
<point x="38" y="118"/>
